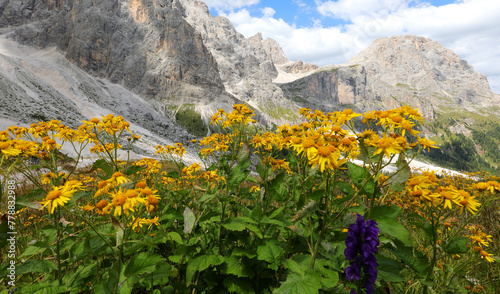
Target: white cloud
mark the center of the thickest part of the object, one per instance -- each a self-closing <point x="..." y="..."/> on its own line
<point x="351" y="9"/>
<point x="230" y="4"/>
<point x="470" y="28"/>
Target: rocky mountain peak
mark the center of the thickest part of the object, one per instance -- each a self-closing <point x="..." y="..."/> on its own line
<point x="422" y="63"/>
<point x="395" y="71"/>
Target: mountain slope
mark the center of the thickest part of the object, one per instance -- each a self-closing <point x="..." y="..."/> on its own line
<point x="393" y="71"/>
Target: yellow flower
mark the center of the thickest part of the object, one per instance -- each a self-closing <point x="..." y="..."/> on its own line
<point x="486" y="256"/>
<point x="254" y="189"/>
<point x="87" y="207"/>
<point x="120" y="204"/>
<point x="103" y="207"/>
<point x="387" y="145"/>
<point x="60" y="195"/>
<point x="426" y="143"/>
<point x="118" y="179"/>
<point x="8" y="149"/>
<point x="327" y="157"/>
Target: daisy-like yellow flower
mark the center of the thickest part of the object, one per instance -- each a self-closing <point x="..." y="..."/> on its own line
<point x="152" y="203"/>
<point x="137" y="223"/>
<point x="87" y="207"/>
<point x="426" y="143"/>
<point x="8" y="149"/>
<point x="487" y="256"/>
<point x="387" y="145"/>
<point x="103" y="207"/>
<point x="120" y="203"/>
<point x="59" y="196"/>
<point x="327" y="157"/>
<point x="468" y="201"/>
<point x="254" y="189"/>
<point x="118" y="179"/>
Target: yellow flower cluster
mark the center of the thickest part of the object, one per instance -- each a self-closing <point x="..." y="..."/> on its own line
<point x="481" y="240"/>
<point x="240" y="116"/>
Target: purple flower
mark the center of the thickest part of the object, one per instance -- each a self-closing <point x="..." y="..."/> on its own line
<point x="361" y="246"/>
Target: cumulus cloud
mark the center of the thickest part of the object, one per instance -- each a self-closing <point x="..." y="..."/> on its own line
<point x="351" y="9"/>
<point x="470" y="28"/>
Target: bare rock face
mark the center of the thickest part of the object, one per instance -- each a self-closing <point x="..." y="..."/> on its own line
<point x="246" y="66"/>
<point x="395" y="71"/>
<point x="274" y="51"/>
<point x="144" y="45"/>
<point x="298" y="67"/>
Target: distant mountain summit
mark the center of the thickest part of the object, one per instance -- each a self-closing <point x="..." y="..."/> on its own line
<point x="392" y="71"/>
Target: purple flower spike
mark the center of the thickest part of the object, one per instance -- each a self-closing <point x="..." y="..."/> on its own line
<point x="361" y="246"/>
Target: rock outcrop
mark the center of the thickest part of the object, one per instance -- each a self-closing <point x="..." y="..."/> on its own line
<point x="395" y="71"/>
<point x="246" y="65"/>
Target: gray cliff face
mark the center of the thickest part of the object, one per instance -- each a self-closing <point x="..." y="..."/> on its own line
<point x="395" y="71"/>
<point x="246" y="65"/>
<point x="143" y="44"/>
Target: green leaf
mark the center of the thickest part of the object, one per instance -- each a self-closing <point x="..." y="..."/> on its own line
<point x="84" y="272"/>
<point x="201" y="263"/>
<point x="413" y="258"/>
<point x="173" y="175"/>
<point x="360" y="175"/>
<point x="426" y="227"/>
<point x="238" y="285"/>
<point x="142" y="263"/>
<point x="401" y="175"/>
<point x="237" y="266"/>
<point x="388" y="270"/>
<point x="132" y="170"/>
<point x="346" y="188"/>
<point x="102" y="164"/>
<point x="300" y="284"/>
<point x="189" y="220"/>
<point x="271" y="252"/>
<point x="276" y="212"/>
<point x="33" y="205"/>
<point x="34" y="249"/>
<point x="456" y="245"/>
<point x="305" y="211"/>
<point x="237" y="175"/>
<point x="387" y="212"/>
<point x="44" y="288"/>
<point x="176" y="237"/>
<point x="394" y="229"/>
<point x="35" y="266"/>
<point x="244" y="154"/>
<point x="357" y="173"/>
<point x="234" y="224"/>
<point x="295" y="267"/>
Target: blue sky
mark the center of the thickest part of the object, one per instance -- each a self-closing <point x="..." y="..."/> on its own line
<point x="332" y="31"/>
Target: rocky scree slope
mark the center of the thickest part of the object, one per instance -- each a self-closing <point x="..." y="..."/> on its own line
<point x="145" y="46"/>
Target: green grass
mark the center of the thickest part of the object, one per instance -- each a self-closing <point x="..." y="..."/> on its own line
<point x="190" y="120"/>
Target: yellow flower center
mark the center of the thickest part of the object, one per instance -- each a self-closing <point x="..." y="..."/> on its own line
<point x="308" y="142"/>
<point x="324" y="151"/>
<point x="397" y="119"/>
<point x="103" y="203"/>
<point x="117" y="174"/>
<point x="119" y="199"/>
<point x="4" y="145"/>
<point x="152" y="200"/>
<point x="53" y="194"/>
